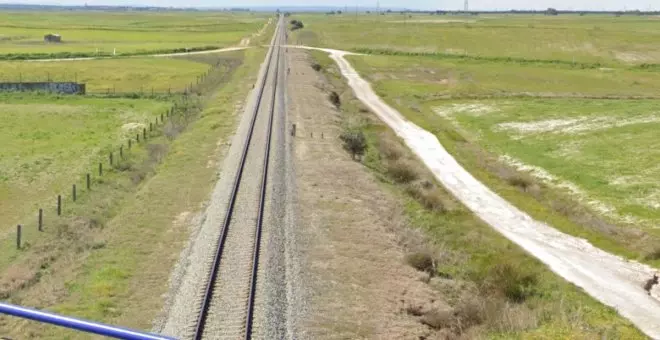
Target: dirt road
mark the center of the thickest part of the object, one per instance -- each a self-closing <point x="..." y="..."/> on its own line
<point x="610" y="279"/>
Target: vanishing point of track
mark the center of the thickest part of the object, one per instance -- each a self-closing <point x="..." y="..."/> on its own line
<point x="272" y="64"/>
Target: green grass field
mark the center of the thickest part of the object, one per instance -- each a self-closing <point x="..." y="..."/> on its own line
<point x="110" y="75"/>
<point x="123" y="32"/>
<point x="592" y="148"/>
<point x="590" y="39"/>
<point x="50" y="142"/>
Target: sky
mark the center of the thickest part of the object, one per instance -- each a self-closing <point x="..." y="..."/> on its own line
<point x="412" y="4"/>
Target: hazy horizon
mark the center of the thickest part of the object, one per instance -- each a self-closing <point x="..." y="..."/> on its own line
<point x="412" y="4"/>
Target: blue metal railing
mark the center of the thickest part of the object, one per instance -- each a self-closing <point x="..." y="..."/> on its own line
<point x="78" y="324"/>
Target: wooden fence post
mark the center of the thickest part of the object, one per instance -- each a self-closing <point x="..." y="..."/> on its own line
<point x="18" y="236"/>
<point x="41" y="219"/>
<point x="111" y="158"/>
<point x="130" y="142"/>
<point x="59" y="205"/>
<point x="75" y="194"/>
<point x="100" y="169"/>
<point x="121" y="152"/>
<point x="144" y="134"/>
<point x="89" y="181"/>
<point x="137" y="138"/>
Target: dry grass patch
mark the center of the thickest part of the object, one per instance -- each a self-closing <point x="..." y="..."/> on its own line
<point x="402" y="171"/>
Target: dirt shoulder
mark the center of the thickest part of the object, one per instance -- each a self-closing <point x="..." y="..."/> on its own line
<point x="355" y="266"/>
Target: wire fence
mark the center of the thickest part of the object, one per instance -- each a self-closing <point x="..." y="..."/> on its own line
<point x="168" y="123"/>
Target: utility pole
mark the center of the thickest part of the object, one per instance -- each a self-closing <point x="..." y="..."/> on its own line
<point x="377" y="10"/>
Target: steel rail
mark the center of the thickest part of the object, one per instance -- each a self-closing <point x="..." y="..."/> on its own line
<point x="262" y="202"/>
<point x="208" y="293"/>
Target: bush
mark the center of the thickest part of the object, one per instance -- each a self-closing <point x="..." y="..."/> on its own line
<point x="512" y="282"/>
<point x="296" y="25"/>
<point x="390" y="150"/>
<point x="402" y="171"/>
<point x="334" y="99"/>
<point x="438" y="319"/>
<point x="354" y="142"/>
<point x="317" y="67"/>
<point x="431" y="198"/>
<point x="422" y="261"/>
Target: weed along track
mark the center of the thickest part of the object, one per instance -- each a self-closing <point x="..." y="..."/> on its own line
<point x="228" y="304"/>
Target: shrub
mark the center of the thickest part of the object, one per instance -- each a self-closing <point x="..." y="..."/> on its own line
<point x="354" y="142"/>
<point x="334" y="99"/>
<point x="296" y="24"/>
<point x="514" y="283"/>
<point x="438" y="319"/>
<point x="653" y="254"/>
<point x="522" y="181"/>
<point x="469" y="312"/>
<point x="431" y="198"/>
<point x="422" y="261"/>
<point x="402" y="171"/>
<point x="390" y="150"/>
<point x="317" y="67"/>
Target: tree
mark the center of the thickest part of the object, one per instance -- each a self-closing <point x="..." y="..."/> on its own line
<point x="551" y="11"/>
<point x="297" y="24"/>
<point x="354" y="142"/>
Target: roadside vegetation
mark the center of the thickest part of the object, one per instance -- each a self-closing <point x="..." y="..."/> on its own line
<point x="494" y="288"/>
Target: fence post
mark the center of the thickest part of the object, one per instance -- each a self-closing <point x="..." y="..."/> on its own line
<point x="162" y="120"/>
<point x="130" y="143"/>
<point x="111" y="158"/>
<point x="59" y="205"/>
<point x="151" y="127"/>
<point x="41" y="219"/>
<point x="121" y="152"/>
<point x="89" y="181"/>
<point x="144" y="133"/>
<point x="73" y="191"/>
<point x="100" y="169"/>
<point x="137" y="138"/>
<point x="18" y="236"/>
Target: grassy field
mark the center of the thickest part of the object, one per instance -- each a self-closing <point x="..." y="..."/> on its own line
<point x="510" y="294"/>
<point x="592" y="148"/>
<point x="51" y="142"/>
<point x="123" y="32"/>
<point x="431" y="78"/>
<point x="571" y="38"/>
<point x="110" y="75"/>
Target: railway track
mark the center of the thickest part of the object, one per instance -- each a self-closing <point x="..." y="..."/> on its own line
<point x="228" y="305"/>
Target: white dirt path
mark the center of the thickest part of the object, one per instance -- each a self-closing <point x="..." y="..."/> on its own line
<point x="610" y="279"/>
<point x="221" y="50"/>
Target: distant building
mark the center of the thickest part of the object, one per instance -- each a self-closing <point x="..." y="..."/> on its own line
<point x="52" y="38"/>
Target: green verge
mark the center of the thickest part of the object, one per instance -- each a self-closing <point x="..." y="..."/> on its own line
<point x="123" y="250"/>
<point x="550" y="308"/>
